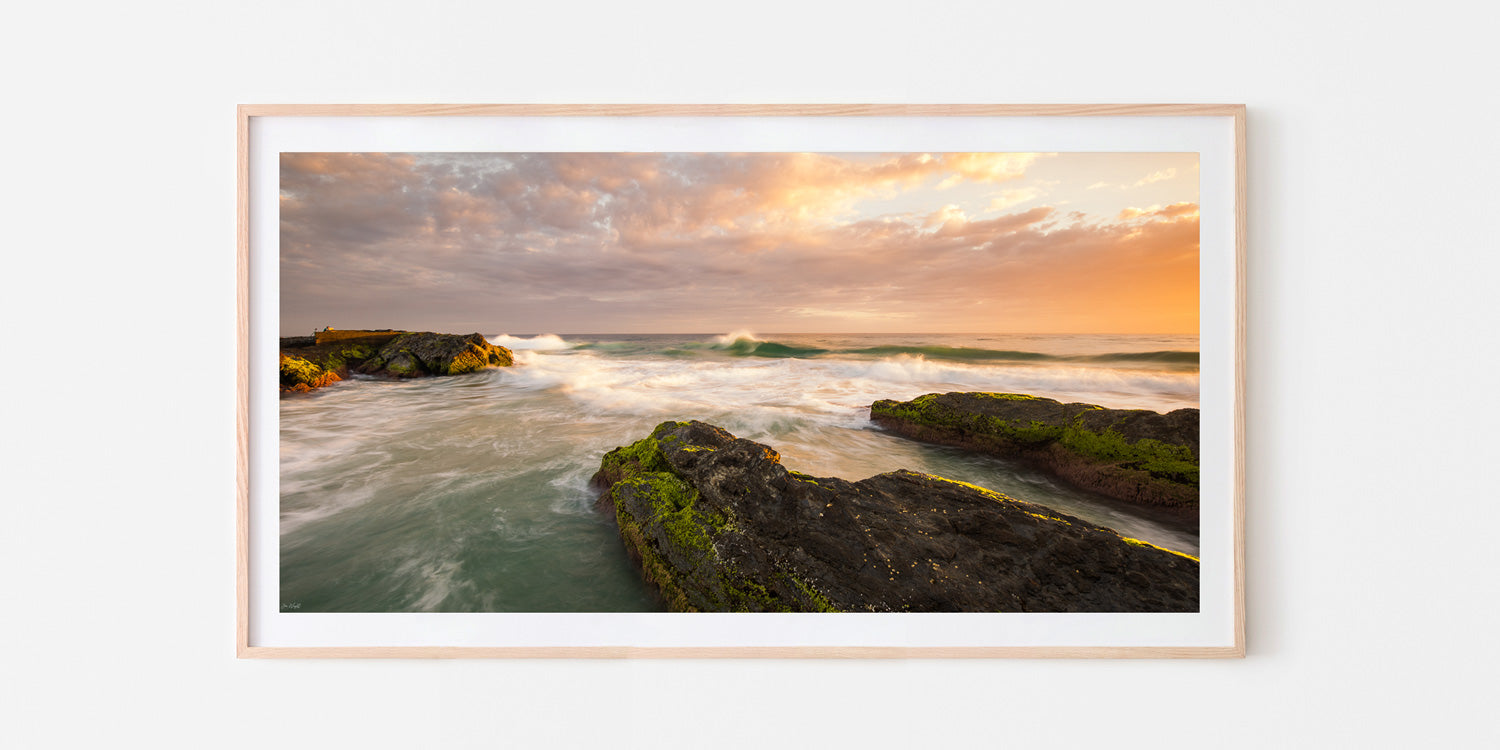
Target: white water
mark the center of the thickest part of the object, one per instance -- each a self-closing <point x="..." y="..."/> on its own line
<point x="471" y="493"/>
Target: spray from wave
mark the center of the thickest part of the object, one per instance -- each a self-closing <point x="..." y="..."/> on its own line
<point x="735" y="337"/>
<point x="547" y="342"/>
<point x="840" y="389"/>
<point x="471" y="493"/>
<point x="743" y="343"/>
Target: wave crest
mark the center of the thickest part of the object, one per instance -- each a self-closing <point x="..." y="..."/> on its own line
<point x="547" y="342"/>
<point x="834" y="390"/>
<point x="735" y="337"/>
<point x="742" y="343"/>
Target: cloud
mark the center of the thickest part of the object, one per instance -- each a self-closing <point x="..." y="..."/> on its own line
<point x="1008" y="198"/>
<point x="1174" y="211"/>
<point x="949" y="218"/>
<point x="652" y="241"/>
<point x="846" y="314"/>
<point x="1165" y="174"/>
<point x="985" y="167"/>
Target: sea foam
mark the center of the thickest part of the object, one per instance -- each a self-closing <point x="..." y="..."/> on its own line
<point x="729" y="339"/>
<point x="824" y="390"/>
<point x="547" y="342"/>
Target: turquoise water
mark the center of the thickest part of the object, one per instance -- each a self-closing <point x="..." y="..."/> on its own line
<point x="470" y="493"/>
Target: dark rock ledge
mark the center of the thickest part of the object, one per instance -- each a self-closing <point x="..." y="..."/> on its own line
<point x="309" y="362"/>
<point x="1135" y="455"/>
<point x="716" y="523"/>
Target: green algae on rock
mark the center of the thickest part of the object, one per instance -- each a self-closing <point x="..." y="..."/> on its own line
<point x="1133" y="455"/>
<point x="298" y="374"/>
<point x="414" y="355"/>
<point x="717" y="524"/>
<point x="386" y="354"/>
<point x="673" y="535"/>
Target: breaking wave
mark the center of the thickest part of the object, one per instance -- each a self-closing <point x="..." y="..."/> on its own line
<point x="840" y="388"/>
<point x="546" y="342"/>
<point x="745" y="344"/>
<point x="471" y="493"/>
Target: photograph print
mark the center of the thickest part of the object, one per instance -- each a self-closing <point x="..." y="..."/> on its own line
<point x="738" y="382"/>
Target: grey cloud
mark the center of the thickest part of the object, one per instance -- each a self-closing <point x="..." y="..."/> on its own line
<point x="590" y="242"/>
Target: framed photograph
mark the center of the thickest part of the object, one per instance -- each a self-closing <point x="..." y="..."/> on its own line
<point x="741" y="381"/>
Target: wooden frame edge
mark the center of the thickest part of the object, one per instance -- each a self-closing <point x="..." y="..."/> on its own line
<point x="244" y="114"/>
<point x="743" y="652"/>
<point x="1240" y="222"/>
<point x="738" y="110"/>
<point x="242" y="384"/>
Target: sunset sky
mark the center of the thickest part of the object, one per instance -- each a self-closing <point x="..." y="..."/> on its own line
<point x="770" y="242"/>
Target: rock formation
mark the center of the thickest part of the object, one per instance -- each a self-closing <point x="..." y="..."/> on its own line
<point x="415" y="355"/>
<point x="300" y="375"/>
<point x="1133" y="455"/>
<point x="716" y="523"/>
<point x="332" y="355"/>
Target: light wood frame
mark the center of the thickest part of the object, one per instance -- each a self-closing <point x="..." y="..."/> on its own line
<point x="246" y="112"/>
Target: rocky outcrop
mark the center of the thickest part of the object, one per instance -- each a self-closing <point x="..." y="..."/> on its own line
<point x="716" y="523"/>
<point x="415" y="355"/>
<point x="306" y="365"/>
<point x="1133" y="455"/>
<point x="300" y="375"/>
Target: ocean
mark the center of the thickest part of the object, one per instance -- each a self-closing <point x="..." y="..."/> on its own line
<point x="471" y="494"/>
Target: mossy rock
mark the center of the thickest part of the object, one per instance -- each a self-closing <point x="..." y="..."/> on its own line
<point x="1134" y="455"/>
<point x="682" y="542"/>
<point x="391" y="354"/>
<point x="414" y="355"/>
<point x="716" y="523"/>
<point x="300" y="375"/>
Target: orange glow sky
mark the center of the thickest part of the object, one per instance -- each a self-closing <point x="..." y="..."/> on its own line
<point x="772" y="242"/>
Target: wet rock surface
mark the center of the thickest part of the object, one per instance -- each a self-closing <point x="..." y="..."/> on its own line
<point x="1134" y="455"/>
<point x="718" y="524"/>
<point x="383" y="354"/>
<point x="415" y="355"/>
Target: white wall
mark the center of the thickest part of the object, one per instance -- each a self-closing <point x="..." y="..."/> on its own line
<point x="1371" y="435"/>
